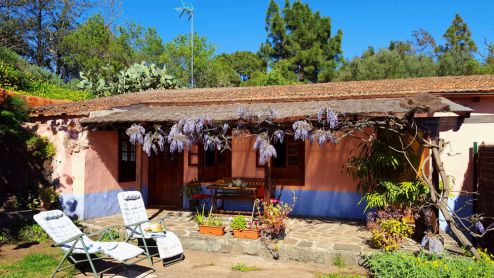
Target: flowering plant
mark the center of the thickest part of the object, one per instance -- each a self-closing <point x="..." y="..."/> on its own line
<point x="274" y="218"/>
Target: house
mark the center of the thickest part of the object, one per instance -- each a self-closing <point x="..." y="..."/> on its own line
<point x="95" y="160"/>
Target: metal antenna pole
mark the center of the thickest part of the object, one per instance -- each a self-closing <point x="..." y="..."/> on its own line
<point x="190" y="12"/>
<point x="192" y="38"/>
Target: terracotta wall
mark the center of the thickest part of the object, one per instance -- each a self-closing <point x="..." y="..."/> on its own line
<point x="102" y="163"/>
<point x="323" y="164"/>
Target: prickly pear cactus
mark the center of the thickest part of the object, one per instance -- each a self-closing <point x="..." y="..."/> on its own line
<point x="138" y="77"/>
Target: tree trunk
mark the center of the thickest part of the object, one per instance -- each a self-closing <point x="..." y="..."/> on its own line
<point x="442" y="204"/>
<point x="39" y="34"/>
<point x="267" y="182"/>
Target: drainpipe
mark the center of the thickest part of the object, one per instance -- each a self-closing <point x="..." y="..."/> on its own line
<point x="475" y="176"/>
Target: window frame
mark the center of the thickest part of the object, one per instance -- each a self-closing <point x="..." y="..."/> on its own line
<point x="281" y="175"/>
<point x="217" y="171"/>
<point x="126" y="169"/>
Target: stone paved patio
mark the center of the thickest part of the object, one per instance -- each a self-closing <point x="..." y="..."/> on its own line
<point x="308" y="240"/>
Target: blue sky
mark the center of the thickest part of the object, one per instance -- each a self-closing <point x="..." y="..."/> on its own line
<point x="234" y="25"/>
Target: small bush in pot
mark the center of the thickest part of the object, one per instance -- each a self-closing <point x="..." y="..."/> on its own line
<point x="241" y="229"/>
<point x="210" y="226"/>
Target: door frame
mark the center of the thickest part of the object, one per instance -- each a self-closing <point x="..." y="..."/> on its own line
<point x="152" y="180"/>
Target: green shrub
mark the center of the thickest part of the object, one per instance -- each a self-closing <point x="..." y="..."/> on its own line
<point x="388" y="234"/>
<point x="22" y="230"/>
<point x="24" y="78"/>
<point x="398" y="264"/>
<point x="41" y="147"/>
<point x="239" y="223"/>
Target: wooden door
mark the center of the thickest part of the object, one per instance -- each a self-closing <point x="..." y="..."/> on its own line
<point x="166" y="179"/>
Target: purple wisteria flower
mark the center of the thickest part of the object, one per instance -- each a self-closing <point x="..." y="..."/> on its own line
<point x="272" y="113"/>
<point x="278" y="136"/>
<point x="324" y="136"/>
<point x="135" y="133"/>
<point x="225" y="128"/>
<point x="332" y="119"/>
<point x="177" y="139"/>
<point x="266" y="150"/>
<point x="320" y="114"/>
<point x="244" y="113"/>
<point x="302" y="130"/>
<point x="480" y="227"/>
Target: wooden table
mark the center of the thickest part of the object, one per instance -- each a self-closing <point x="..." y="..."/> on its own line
<point x="226" y="192"/>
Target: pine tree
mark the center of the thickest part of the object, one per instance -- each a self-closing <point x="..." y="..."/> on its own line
<point x="303" y="38"/>
<point x="458" y="37"/>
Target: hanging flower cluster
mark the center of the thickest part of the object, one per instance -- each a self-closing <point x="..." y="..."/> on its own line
<point x="266" y="150"/>
<point x="135" y="133"/>
<point x="324" y="136"/>
<point x="153" y="138"/>
<point x="302" y="130"/>
<point x="331" y="117"/>
<point x="278" y="136"/>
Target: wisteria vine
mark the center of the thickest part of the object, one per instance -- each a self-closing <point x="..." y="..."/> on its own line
<point x="214" y="135"/>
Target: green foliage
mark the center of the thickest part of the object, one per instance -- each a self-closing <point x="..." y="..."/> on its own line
<point x="41" y="147"/>
<point x="388" y="234"/>
<point x="244" y="63"/>
<point x="214" y="221"/>
<point x="244" y="268"/>
<point x="279" y="75"/>
<point x="25" y="79"/>
<point x="110" y="235"/>
<point x="94" y="48"/>
<point x="387" y="193"/>
<point x="387" y="64"/>
<point x="208" y="70"/>
<point x="48" y="194"/>
<point x="339" y="261"/>
<point x="239" y="223"/>
<point x="138" y="77"/>
<point x="458" y="37"/>
<point x="398" y="264"/>
<point x="13" y="112"/>
<point x="457" y="62"/>
<point x="200" y="217"/>
<point x="22" y="231"/>
<point x="303" y="38"/>
<point x="377" y="161"/>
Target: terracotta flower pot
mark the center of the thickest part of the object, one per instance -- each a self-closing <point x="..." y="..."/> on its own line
<point x="247" y="234"/>
<point x="212" y="230"/>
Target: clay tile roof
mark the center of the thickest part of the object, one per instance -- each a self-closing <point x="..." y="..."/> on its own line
<point x="390" y="88"/>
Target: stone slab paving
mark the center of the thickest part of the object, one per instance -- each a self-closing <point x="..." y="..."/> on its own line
<point x="308" y="240"/>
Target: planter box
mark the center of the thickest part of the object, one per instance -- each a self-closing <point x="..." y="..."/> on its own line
<point x="212" y="230"/>
<point x="247" y="234"/>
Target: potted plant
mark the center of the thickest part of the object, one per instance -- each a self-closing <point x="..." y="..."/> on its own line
<point x="241" y="229"/>
<point x="210" y="226"/>
<point x="189" y="190"/>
